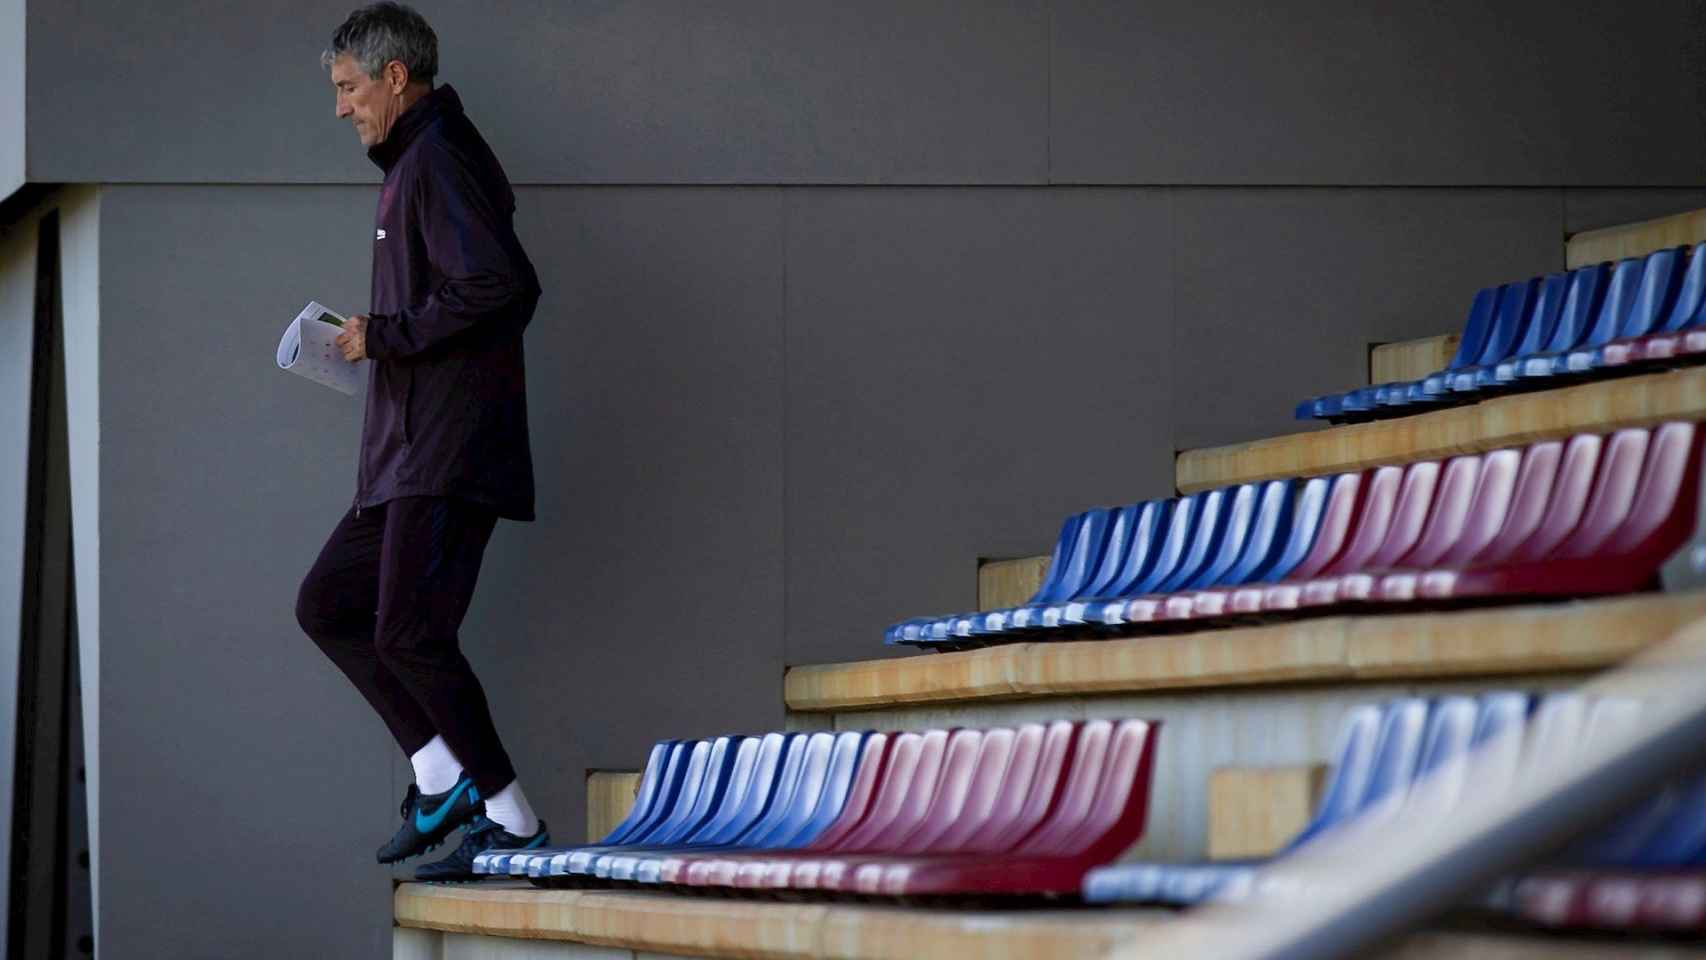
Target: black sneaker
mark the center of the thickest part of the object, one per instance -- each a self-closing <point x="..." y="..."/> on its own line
<point x="430" y="817"/>
<point x="482" y="835"/>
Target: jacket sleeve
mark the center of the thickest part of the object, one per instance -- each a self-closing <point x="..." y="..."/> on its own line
<point x="472" y="247"/>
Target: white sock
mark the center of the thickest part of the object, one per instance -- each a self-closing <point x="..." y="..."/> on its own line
<point x="509" y="809"/>
<point x="436" y="768"/>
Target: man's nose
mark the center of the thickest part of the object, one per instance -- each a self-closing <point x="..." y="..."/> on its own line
<point x="344" y="109"/>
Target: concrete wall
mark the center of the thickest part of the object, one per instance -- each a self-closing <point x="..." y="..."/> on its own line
<point x="1589" y="93"/>
<point x="838" y="298"/>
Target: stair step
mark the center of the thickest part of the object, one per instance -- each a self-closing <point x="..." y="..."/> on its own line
<point x="1635" y="239"/>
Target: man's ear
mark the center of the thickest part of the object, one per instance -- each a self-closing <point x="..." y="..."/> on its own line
<point x="396" y="76"/>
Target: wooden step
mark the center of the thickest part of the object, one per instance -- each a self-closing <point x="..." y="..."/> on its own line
<point x="1635" y="239"/>
<point x="1523" y="418"/>
<point x="513" y="919"/>
<point x="1492" y="641"/>
<point x="609" y="797"/>
<point x="1008" y="583"/>
<point x="1411" y="359"/>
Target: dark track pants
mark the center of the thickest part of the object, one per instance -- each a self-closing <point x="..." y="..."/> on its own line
<point x="385" y="600"/>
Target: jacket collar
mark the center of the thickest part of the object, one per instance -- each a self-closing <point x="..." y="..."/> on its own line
<point x="440" y="101"/>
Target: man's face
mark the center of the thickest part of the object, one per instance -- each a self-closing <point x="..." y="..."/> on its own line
<point x="365" y="101"/>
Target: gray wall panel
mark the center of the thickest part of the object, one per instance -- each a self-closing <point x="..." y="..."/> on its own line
<point x="964" y="368"/>
<point x="1246" y="92"/>
<point x="12" y="74"/>
<point x="223" y="477"/>
<point x="654" y="91"/>
<point x="1280" y="293"/>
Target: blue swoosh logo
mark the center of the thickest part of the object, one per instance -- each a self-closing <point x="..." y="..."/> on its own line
<point x="429" y="823"/>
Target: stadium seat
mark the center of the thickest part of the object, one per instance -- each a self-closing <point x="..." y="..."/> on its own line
<point x="1512" y="315"/>
<point x="1666" y="338"/>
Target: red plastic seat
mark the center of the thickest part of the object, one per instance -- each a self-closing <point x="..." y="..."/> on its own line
<point x="1099" y="814"/>
<point x="1544" y="499"/>
<point x="1643" y="509"/>
<point x="1496" y="490"/>
<point x="929" y="804"/>
<point x="1387" y="488"/>
<point x="1671" y="901"/>
<point x="1027" y="791"/>
<point x="1453" y="500"/>
<point x="713" y="867"/>
<point x="1342" y="516"/>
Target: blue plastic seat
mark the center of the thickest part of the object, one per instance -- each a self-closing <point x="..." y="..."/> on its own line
<point x="815" y="806"/>
<point x="1269" y="530"/>
<point x="1661" y="281"/>
<point x="1197" y="530"/>
<point x="1511" y="318"/>
<point x="1614" y="307"/>
<point x="1584" y="297"/>
<point x="1081" y="565"/>
<point x="1121" y="533"/>
<point x="912" y="631"/>
<point x="1145" y="541"/>
<point x="1541" y="330"/>
<point x="1301" y="526"/>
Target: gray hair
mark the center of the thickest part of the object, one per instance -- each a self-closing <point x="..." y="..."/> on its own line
<point x="382" y="32"/>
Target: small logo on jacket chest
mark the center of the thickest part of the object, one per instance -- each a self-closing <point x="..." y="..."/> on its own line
<point x="379" y="234"/>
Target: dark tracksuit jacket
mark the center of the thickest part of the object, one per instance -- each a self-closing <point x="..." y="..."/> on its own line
<point x="452" y="292"/>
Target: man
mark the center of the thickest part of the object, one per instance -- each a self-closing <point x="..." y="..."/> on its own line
<point x="444" y="449"/>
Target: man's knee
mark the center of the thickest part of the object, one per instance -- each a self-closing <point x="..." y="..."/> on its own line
<point x="320" y="612"/>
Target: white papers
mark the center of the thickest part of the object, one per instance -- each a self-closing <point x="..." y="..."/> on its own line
<point x="309" y="349"/>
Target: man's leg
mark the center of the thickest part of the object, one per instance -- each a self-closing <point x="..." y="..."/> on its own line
<point x="430" y="564"/>
<point x="336" y="607"/>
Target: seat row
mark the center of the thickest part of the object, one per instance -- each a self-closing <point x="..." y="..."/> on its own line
<point x="1596" y="321"/>
<point x="1007" y="811"/>
<point x="1646" y="871"/>
<point x="1595" y="514"/>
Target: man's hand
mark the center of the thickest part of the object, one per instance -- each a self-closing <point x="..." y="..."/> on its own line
<point x="353" y="341"/>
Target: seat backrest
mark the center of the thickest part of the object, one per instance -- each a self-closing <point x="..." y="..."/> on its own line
<point x="1057" y="560"/>
<point x="1341" y="517"/>
<point x="1181" y="523"/>
<point x="873" y="767"/>
<point x="948" y="781"/>
<point x="1397" y="755"/>
<point x="1661" y="281"/>
<point x="1443" y="767"/>
<point x="1392" y="490"/>
<point x="1268" y="529"/>
<point x="669" y="795"/>
<point x="1213" y="512"/>
<point x="1620" y="472"/>
<point x="1114" y="553"/>
<point x="1554" y="731"/>
<point x="1620" y="293"/>
<point x="1353" y="761"/>
<point x="1475" y="329"/>
<point x="646" y="794"/>
<point x="1028" y="794"/>
<point x="1489" y="505"/>
<point x="914" y="761"/>
<point x="1095" y="740"/>
<point x="1240" y="524"/>
<point x="745" y="752"/>
<point x="832" y="796"/>
<point x="1690" y="294"/>
<point x="1112" y="816"/>
<point x="1662" y="515"/>
<point x="671" y="827"/>
<point x="1085" y="554"/>
<point x="1542" y="466"/>
<point x="1577" y="475"/>
<point x="713" y="785"/>
<point x="1006" y="767"/>
<point x="787" y="783"/>
<point x="1307" y="511"/>
<point x="1542" y="323"/>
<point x="1446" y="518"/>
<point x="1142" y="547"/>
<point x="797" y="793"/>
<point x="748" y="803"/>
<point x="1499" y="739"/>
<point x="975" y="764"/>
<point x="1514" y="311"/>
<point x="1582" y="302"/>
